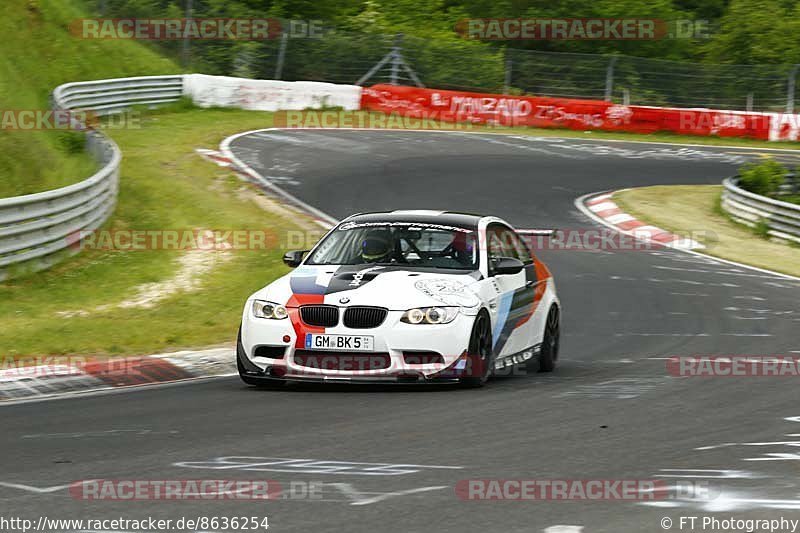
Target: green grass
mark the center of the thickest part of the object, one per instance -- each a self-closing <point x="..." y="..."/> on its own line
<point x="39" y="53"/>
<point x="164" y="185"/>
<point x="695" y="209"/>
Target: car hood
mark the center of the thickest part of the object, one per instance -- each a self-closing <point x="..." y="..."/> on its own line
<point x="393" y="287"/>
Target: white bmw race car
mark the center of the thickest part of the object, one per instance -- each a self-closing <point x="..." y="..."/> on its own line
<point x="403" y="297"/>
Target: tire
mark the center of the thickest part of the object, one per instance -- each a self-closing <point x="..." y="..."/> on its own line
<point x="261" y="383"/>
<point x="548" y="354"/>
<point x="481" y="358"/>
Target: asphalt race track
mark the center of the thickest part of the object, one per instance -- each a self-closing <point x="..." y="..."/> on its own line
<point x="610" y="411"/>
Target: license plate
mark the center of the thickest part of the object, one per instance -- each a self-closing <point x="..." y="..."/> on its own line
<point x="344" y="343"/>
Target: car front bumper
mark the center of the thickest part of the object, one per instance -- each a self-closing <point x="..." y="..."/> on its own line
<point x="398" y="355"/>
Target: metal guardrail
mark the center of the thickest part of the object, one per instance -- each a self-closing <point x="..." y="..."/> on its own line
<point x="105" y="97"/>
<point x="38" y="230"/>
<point x="782" y="218"/>
<point x="790" y="185"/>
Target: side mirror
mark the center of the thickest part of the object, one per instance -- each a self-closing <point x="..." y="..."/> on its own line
<point x="294" y="257"/>
<point x="506" y="265"/>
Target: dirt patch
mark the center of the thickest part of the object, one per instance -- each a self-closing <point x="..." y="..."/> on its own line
<point x="192" y="266"/>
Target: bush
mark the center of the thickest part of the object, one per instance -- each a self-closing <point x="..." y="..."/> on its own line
<point x="72" y="142"/>
<point x="761" y="228"/>
<point x="762" y="178"/>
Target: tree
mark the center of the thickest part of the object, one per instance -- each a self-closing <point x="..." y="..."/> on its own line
<point x="756" y="32"/>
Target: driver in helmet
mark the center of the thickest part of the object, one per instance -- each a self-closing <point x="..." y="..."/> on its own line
<point x="376" y="246"/>
<point x="463" y="248"/>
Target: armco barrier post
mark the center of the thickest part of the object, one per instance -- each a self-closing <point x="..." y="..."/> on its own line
<point x="790" y="89"/>
<point x="185" y="51"/>
<point x="397" y="57"/>
<point x="281" y="55"/>
<point x="507" y="80"/>
<point x="610" y="78"/>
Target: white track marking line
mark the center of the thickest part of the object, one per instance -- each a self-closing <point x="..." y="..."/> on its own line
<point x="388" y="495"/>
<point x="308" y="466"/>
<point x="691" y="334"/>
<point x="35" y="490"/>
<point x="704" y="473"/>
<point x="662" y="335"/>
<point x="110" y="390"/>
<point x="718" y="272"/>
<point x="238" y="163"/>
<point x="543" y="138"/>
<point x="357" y="497"/>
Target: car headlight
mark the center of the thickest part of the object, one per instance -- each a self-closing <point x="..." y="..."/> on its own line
<point x="430" y="315"/>
<point x="262" y="309"/>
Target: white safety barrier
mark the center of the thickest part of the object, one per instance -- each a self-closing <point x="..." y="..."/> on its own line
<point x="269" y="95"/>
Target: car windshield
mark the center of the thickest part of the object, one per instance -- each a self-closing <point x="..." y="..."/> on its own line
<point x="399" y="243"/>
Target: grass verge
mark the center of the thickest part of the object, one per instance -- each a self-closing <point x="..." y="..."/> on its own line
<point x="83" y="305"/>
<point x="38" y="54"/>
<point x="692" y="208"/>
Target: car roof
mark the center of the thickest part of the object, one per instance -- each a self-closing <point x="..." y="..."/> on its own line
<point x="449" y="218"/>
